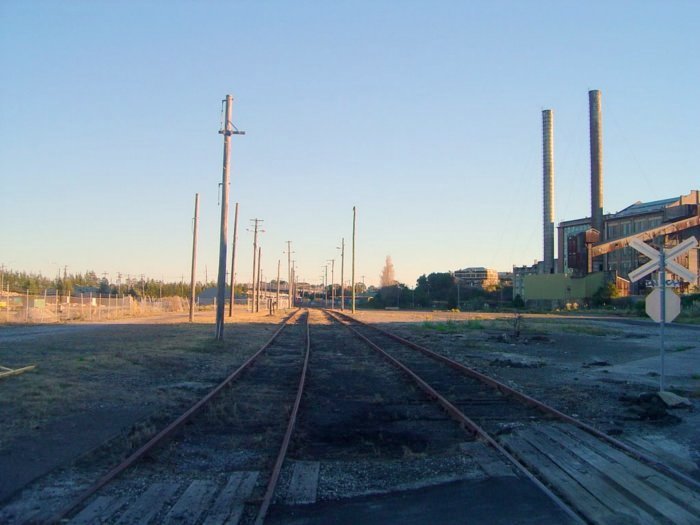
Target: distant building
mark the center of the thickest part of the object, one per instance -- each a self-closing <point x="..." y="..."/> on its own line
<point x="208" y="296"/>
<point x="583" y="250"/>
<point x="505" y="280"/>
<point x="519" y="273"/>
<point x="478" y="277"/>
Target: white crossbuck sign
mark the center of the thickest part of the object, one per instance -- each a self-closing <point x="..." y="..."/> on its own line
<point x="669" y="255"/>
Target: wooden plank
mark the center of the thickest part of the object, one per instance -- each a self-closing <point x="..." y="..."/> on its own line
<point x="639" y="494"/>
<point x="99" y="511"/>
<point x="663" y="487"/>
<point x="605" y="489"/>
<point x="16" y="371"/>
<point x="665" y="450"/>
<point x="149" y="504"/>
<point x="192" y="504"/>
<point x="304" y="483"/>
<point x="568" y="487"/>
<point x="230" y="503"/>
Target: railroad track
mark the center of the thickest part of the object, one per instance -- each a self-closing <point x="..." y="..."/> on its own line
<point x="220" y="461"/>
<point x="589" y="475"/>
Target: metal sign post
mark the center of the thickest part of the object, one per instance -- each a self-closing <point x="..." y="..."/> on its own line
<point x="662" y="324"/>
<point x="660" y="260"/>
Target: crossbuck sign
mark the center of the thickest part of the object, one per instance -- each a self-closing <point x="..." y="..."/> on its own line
<point x="668" y="255"/>
<point x="663" y="306"/>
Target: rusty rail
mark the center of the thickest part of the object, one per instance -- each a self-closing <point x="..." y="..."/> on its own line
<point x="170" y="429"/>
<point x="464" y="420"/>
<point x="276" y="471"/>
<point x="524" y="398"/>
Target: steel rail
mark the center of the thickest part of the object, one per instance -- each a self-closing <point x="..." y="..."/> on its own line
<point x="276" y="471"/>
<point x="524" y="398"/>
<point x="168" y="430"/>
<point x="467" y="422"/>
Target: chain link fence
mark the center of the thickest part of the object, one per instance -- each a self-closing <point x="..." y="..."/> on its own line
<point x="28" y="308"/>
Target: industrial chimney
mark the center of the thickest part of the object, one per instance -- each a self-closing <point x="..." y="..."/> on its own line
<point x="596" y="131"/>
<point x="548" y="189"/>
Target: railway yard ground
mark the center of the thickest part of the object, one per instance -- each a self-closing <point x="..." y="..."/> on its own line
<point x="367" y="446"/>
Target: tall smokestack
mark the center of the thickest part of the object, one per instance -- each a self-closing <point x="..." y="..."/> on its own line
<point x="548" y="189"/>
<point x="596" y="127"/>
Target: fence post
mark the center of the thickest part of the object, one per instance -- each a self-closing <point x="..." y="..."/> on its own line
<point x="26" y="311"/>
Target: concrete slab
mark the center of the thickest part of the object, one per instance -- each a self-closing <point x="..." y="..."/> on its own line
<point x="497" y="501"/>
<point x="682" y="369"/>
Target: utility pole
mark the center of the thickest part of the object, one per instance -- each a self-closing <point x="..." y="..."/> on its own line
<point x="325" y="285"/>
<point x="233" y="262"/>
<point x="332" y="261"/>
<point x="256" y="229"/>
<point x="257" y="295"/>
<point x="226" y="130"/>
<point x="289" y="272"/>
<point x="354" y="215"/>
<point x="279" y="263"/>
<point x="194" y="255"/>
<point x="292" y="286"/>
<point x="342" y="274"/>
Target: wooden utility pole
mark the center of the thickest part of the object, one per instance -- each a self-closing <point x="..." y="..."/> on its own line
<point x="293" y="293"/>
<point x="289" y="273"/>
<point x="194" y="256"/>
<point x="342" y="274"/>
<point x="233" y="261"/>
<point x="279" y="263"/>
<point x="227" y="130"/>
<point x="257" y="295"/>
<point x="354" y="215"/>
<point x="332" y="261"/>
<point x="256" y="229"/>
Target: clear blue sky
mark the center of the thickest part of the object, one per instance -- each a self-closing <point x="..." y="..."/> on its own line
<point x="425" y="115"/>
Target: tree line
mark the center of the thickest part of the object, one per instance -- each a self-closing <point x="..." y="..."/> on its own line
<point x="439" y="290"/>
<point x="75" y="283"/>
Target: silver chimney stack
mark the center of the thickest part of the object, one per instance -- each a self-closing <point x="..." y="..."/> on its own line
<point x="548" y="189"/>
<point x="596" y="130"/>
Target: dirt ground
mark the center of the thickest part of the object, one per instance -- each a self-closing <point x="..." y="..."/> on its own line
<point x="602" y="370"/>
<point x="121" y="380"/>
